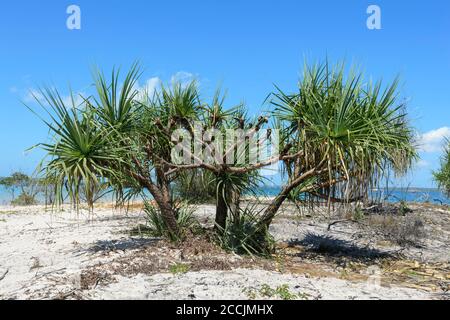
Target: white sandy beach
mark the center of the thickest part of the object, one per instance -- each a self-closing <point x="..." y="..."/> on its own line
<point x="43" y="255"/>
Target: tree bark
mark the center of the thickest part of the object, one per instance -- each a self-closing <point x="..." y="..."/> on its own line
<point x="165" y="204"/>
<point x="221" y="210"/>
<point x="273" y="208"/>
<point x="162" y="199"/>
<point x="167" y="211"/>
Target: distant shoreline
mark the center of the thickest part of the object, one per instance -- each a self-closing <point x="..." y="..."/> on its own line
<point x="392" y="195"/>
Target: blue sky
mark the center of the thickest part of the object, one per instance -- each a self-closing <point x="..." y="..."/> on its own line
<point x="247" y="46"/>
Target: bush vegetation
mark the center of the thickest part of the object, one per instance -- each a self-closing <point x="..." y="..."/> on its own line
<point x="281" y="292"/>
<point x="156" y="226"/>
<point x="244" y="235"/>
<point x="399" y="229"/>
<point x="442" y="176"/>
<point x="339" y="133"/>
<point x="196" y="186"/>
<point x="27" y="187"/>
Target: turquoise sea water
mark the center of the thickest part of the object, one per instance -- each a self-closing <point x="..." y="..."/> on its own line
<point x="391" y="195"/>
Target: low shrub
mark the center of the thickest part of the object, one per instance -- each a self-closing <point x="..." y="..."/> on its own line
<point x="196" y="187"/>
<point x="405" y="231"/>
<point x="358" y="214"/>
<point x="404" y="209"/>
<point x="179" y="268"/>
<point x="244" y="235"/>
<point x="24" y="200"/>
<point x="156" y="226"/>
<point x="281" y="292"/>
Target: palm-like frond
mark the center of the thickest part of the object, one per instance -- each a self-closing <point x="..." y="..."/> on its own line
<point x="115" y="102"/>
<point x="180" y="101"/>
<point x="442" y="176"/>
<point x="80" y="154"/>
<point x="356" y="128"/>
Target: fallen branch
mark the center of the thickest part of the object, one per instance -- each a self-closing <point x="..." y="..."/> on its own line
<point x="336" y="200"/>
<point x="340" y="221"/>
<point x="4" y="275"/>
<point x="38" y="276"/>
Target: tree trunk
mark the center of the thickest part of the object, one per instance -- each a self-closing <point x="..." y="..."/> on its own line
<point x="162" y="199"/>
<point x="167" y="212"/>
<point x="273" y="208"/>
<point x="221" y="211"/>
<point x="236" y="204"/>
<point x="168" y="215"/>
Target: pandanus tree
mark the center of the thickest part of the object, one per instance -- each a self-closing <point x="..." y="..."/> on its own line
<point x="345" y="133"/>
<point x="233" y="171"/>
<point x="338" y="135"/>
<point x="114" y="138"/>
<point x="150" y="146"/>
<point x="79" y="153"/>
<point x="229" y="146"/>
<point x="442" y="175"/>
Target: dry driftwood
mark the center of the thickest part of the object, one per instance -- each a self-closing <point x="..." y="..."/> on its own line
<point x="4" y="275"/>
<point x="341" y="221"/>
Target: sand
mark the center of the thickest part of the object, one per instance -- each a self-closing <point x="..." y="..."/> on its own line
<point x="43" y="253"/>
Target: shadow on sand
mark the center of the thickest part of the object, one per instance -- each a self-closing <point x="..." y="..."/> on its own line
<point x="123" y="244"/>
<point x="329" y="246"/>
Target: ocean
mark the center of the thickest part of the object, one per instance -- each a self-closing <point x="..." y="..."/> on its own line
<point x="420" y="195"/>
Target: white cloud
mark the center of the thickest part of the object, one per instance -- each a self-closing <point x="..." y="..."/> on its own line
<point x="78" y="99"/>
<point x="153" y="84"/>
<point x="432" y="141"/>
<point x="149" y="88"/>
<point x="33" y="94"/>
<point x="422" y="163"/>
<point x="182" y="77"/>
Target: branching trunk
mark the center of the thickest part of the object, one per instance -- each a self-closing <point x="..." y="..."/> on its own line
<point x="273" y="208"/>
<point x="221" y="214"/>
<point x="165" y="204"/>
<point x="166" y="208"/>
<point x="221" y="210"/>
<point x="161" y="195"/>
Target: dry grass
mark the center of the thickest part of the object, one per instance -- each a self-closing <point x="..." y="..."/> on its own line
<point x="130" y="207"/>
<point x="196" y="253"/>
<point x="404" y="231"/>
<point x="433" y="277"/>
